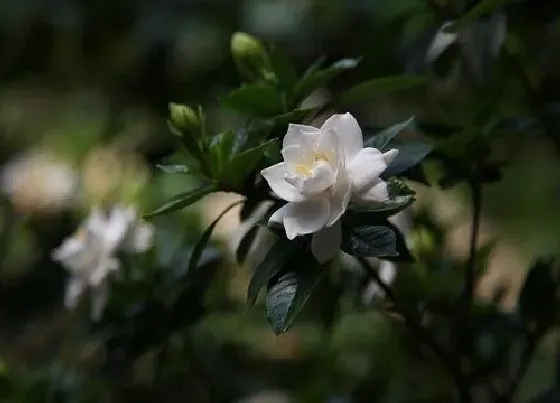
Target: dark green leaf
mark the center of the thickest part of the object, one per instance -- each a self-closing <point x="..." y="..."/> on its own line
<point x="369" y="241"/>
<point x="483" y="8"/>
<point x="538" y="300"/>
<point x="551" y="396"/>
<point x="410" y="154"/>
<point x="203" y="241"/>
<point x="382" y="210"/>
<point x="276" y="260"/>
<point x="294" y="116"/>
<point x="256" y="100"/>
<point x="315" y="78"/>
<point x="284" y="69"/>
<point x="183" y="200"/>
<point x="382" y="139"/>
<point x="381" y="86"/>
<point x="403" y="254"/>
<point x="288" y="293"/>
<point x="244" y="163"/>
<point x="246" y="243"/>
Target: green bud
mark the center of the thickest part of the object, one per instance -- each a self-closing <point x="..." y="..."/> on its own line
<point x="184" y="118"/>
<point x="249" y="55"/>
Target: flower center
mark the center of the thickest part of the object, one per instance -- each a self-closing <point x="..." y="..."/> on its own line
<point x="305" y="169"/>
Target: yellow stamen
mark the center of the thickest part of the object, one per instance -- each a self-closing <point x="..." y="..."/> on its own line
<point x="303" y="169"/>
<point x="321" y="157"/>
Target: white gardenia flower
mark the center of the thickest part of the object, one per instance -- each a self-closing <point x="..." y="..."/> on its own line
<point x="323" y="170"/>
<point x="89" y="254"/>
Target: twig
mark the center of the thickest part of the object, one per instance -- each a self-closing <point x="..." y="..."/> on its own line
<point x="415" y="325"/>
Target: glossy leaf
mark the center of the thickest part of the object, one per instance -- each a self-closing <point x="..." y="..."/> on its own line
<point x="411" y="153"/>
<point x="382" y="139"/>
<point x="246" y="243"/>
<point x="275" y="261"/>
<point x="381" y="210"/>
<point x="381" y="86"/>
<point x="369" y="241"/>
<point x="183" y="200"/>
<point x="288" y="293"/>
<point x="176" y="169"/>
<point x="538" y="301"/>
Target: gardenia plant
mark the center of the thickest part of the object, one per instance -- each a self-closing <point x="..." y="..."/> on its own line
<point x="90" y="254"/>
<point x="323" y="170"/>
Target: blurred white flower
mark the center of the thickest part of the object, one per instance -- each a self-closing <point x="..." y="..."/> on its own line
<point x="90" y="254"/>
<point x="323" y="170"/>
<point x="37" y="182"/>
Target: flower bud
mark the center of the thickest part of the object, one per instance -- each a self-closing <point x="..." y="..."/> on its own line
<point x="249" y="55"/>
<point x="184" y="118"/>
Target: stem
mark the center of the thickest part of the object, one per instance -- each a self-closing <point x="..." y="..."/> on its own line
<point x="470" y="272"/>
<point x="414" y="324"/>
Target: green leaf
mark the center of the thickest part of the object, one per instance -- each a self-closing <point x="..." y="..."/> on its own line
<point x="183" y="200"/>
<point x="382" y="139"/>
<point x="538" y="301"/>
<point x="294" y="116"/>
<point x="369" y="241"/>
<point x="244" y="163"/>
<point x="411" y="153"/>
<point x="246" y="243"/>
<point x="277" y="259"/>
<point x="381" y="86"/>
<point x="255" y="100"/>
<point x="315" y="78"/>
<point x="483" y="8"/>
<point x="403" y="254"/>
<point x="288" y="293"/>
<point x="203" y="241"/>
<point x="284" y="69"/>
<point x="381" y="210"/>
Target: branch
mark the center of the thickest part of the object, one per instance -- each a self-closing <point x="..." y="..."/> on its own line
<point x="414" y="324"/>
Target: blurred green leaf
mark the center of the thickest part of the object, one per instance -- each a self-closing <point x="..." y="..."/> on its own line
<point x="380" y="86"/>
<point x="284" y="69"/>
<point x="183" y="200"/>
<point x="176" y="169"/>
<point x="245" y="244"/>
<point x="482" y="9"/>
<point x="538" y="301"/>
<point x="276" y="260"/>
<point x="369" y="241"/>
<point x="381" y="210"/>
<point x="382" y="139"/>
<point x="288" y="293"/>
<point x="244" y="163"/>
<point x="315" y="78"/>
<point x="254" y="100"/>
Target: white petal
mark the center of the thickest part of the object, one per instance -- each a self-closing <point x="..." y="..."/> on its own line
<point x="304" y="217"/>
<point x="348" y="131"/>
<point x="321" y="178"/>
<point x="294" y="155"/>
<point x="99" y="298"/>
<point x="387" y="271"/>
<point x="75" y="287"/>
<point x="326" y="243"/>
<point x="442" y="40"/>
<point x="276" y="178"/>
<point x="364" y="169"/>
<point x="118" y="224"/>
<point x="390" y="155"/>
<point x="78" y="254"/>
<point x="377" y="193"/>
<point x="300" y="135"/>
<point x="340" y="194"/>
<point x="141" y="238"/>
<point x="101" y="272"/>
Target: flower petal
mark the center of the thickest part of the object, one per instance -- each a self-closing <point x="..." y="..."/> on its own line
<point x="326" y="243"/>
<point x="294" y="155"/>
<point x="140" y="239"/>
<point x="390" y="155"/>
<point x="340" y="193"/>
<point x="365" y="168"/>
<point x="304" y="217"/>
<point x="348" y="131"/>
<point x="442" y="40"/>
<point x="300" y="135"/>
<point x="118" y="224"/>
<point x="378" y="192"/>
<point x="276" y="178"/>
<point x="321" y="178"/>
<point x="75" y="287"/>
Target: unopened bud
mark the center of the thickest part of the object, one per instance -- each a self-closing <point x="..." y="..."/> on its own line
<point x="183" y="117"/>
<point x="249" y="55"/>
